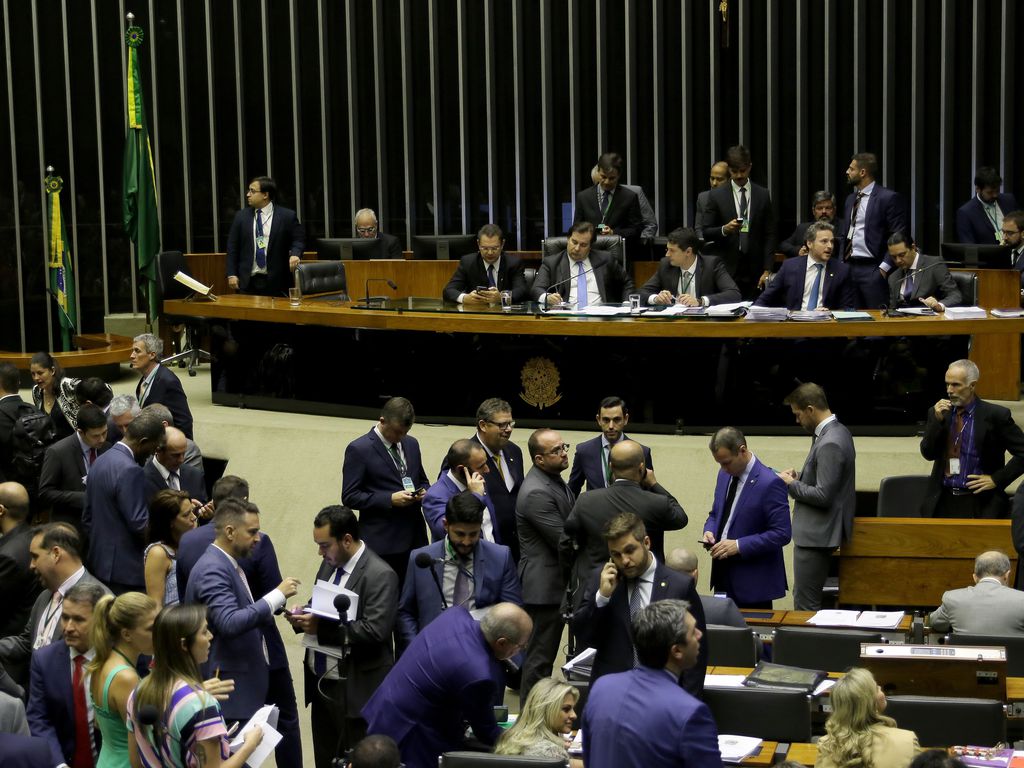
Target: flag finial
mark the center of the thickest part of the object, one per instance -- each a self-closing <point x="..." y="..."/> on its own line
<point x="130" y="17"/>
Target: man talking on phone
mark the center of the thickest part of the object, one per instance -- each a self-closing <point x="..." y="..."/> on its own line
<point x="617" y="591"/>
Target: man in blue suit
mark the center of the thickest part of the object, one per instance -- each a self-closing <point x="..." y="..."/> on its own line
<point x="383" y="478"/>
<point x="815" y="281"/>
<point x="590" y="463"/>
<point x="448" y="677"/>
<point x="116" y="512"/>
<point x="980" y="219"/>
<point x="57" y="712"/>
<point x="748" y="525"/>
<point x="240" y="620"/>
<point x="464" y="570"/>
<point x="874" y="214"/>
<point x="639" y="718"/>
<point x="22" y="751"/>
<point x="631" y="579"/>
<point x="156" y="383"/>
<point x="265" y="243"/>
<point x="466" y="466"/>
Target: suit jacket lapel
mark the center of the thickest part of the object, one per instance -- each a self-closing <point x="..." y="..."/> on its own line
<point x="595" y="262"/>
<point x="384" y="453"/>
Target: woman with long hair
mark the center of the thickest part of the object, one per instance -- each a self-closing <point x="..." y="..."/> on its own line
<point x="174" y="721"/>
<point x="543" y="725"/>
<point x="171" y="515"/>
<point x="54" y="393"/>
<point x="122" y="630"/>
<point x="858" y="735"/>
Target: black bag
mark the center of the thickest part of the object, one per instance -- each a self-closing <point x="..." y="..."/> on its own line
<point x="32" y="433"/>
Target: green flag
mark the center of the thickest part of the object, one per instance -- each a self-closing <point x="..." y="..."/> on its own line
<point x="62" y="273"/>
<point x="140" y="217"/>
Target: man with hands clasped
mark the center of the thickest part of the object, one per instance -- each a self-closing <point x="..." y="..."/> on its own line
<point x="687" y="277"/>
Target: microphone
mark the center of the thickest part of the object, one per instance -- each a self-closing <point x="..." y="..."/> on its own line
<point x="911" y="274"/>
<point x="148" y="714"/>
<point x="424" y="560"/>
<point x="391" y="284"/>
<point x="569" y="279"/>
<point x="341" y="605"/>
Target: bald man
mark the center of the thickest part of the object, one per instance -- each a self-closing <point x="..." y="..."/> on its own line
<point x="990" y="607"/>
<point x="18" y="584"/>
<point x="167" y="469"/>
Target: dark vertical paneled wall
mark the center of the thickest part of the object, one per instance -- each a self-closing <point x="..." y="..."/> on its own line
<point x="446" y="114"/>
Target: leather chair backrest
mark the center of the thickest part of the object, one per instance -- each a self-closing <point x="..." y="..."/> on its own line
<point x="320" y="277"/>
<point x="901" y="495"/>
<point x="967" y="284"/>
<point x="612" y="244"/>
<point x="943" y="722"/>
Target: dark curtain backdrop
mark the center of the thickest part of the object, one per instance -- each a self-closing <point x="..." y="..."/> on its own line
<point x="446" y="114"/>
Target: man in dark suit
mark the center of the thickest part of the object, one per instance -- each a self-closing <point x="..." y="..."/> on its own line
<point x="23" y="751"/>
<point x="481" y="277"/>
<point x="825" y="494"/>
<point x="661" y="723"/>
<point x="609" y="206"/>
<point x="720" y="610"/>
<point x="617" y="590"/>
<point x="11" y="408"/>
<point x="467" y="467"/>
<point x="494" y="425"/>
<point x="633" y="490"/>
<point x="382" y="477"/>
<point x="156" y="383"/>
<point x="366" y="227"/>
<point x="719" y="175"/>
<point x="590" y="462"/>
<point x="116" y="512"/>
<point x="544" y="503"/>
<point x="55" y="552"/>
<point x="167" y="469"/>
<point x="1013" y="236"/>
<point x="687" y="277"/>
<point x="582" y="276"/>
<point x="873" y="214"/>
<point x="812" y="282"/>
<point x="238" y="620"/>
<point x="823" y="208"/>
<point x="58" y="708"/>
<point x="471" y="573"/>
<point x="740" y="224"/>
<point x="66" y="465"/>
<point x="18" y="584"/>
<point x="748" y="525"/>
<point x="967" y="439"/>
<point x="449" y="676"/>
<point x="265" y="244"/>
<point x="919" y="279"/>
<point x="337" y="690"/>
<point x="980" y="219"/>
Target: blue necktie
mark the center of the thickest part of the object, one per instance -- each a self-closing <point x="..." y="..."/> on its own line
<point x="812" y="302"/>
<point x="490" y="277"/>
<point x="581" y="286"/>
<point x="908" y="285"/>
<point x="261" y="253"/>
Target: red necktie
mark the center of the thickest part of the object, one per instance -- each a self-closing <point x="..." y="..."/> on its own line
<point x="83" y="742"/>
<point x="92" y="456"/>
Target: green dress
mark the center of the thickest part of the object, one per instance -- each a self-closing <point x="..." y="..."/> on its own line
<point x="114" y="751"/>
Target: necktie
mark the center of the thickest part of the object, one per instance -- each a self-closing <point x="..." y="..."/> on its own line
<point x="636" y="602"/>
<point x="92" y="456"/>
<point x="956" y="435"/>
<point x="908" y="285"/>
<point x="497" y="464"/>
<point x="143" y="391"/>
<point x="83" y="757"/>
<point x="730" y="499"/>
<point x="581" y="286"/>
<point x="398" y="459"/>
<point x="607" y="465"/>
<point x="490" y="277"/>
<point x="261" y="253"/>
<point x="173" y="481"/>
<point x="460" y="595"/>
<point x="743" y="202"/>
<point x="685" y="280"/>
<point x="848" y="251"/>
<point x="812" y="300"/>
<point x="743" y="215"/>
<point x="605" y="202"/>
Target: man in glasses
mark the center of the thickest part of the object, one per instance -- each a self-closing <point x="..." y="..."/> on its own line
<point x="481" y="277"/>
<point x="365" y="224"/>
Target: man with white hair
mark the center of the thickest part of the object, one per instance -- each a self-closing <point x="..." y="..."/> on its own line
<point x="365" y="225"/>
<point x="990" y="607"/>
<point x="967" y="439"/>
<point x="157" y="384"/>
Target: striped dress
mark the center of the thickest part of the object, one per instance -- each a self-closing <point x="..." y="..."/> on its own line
<point x="193" y="716"/>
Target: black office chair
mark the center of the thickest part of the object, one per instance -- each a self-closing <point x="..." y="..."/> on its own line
<point x="530" y="274"/>
<point x="168" y="264"/>
<point x="490" y="760"/>
<point x="770" y="715"/>
<point x="832" y="650"/>
<point x="731" y="646"/>
<point x="943" y="722"/>
<point x="967" y="284"/>
<point x="320" y="277"/>
<point x="1014" y="646"/>
<point x="612" y="244"/>
<point x="901" y="495"/>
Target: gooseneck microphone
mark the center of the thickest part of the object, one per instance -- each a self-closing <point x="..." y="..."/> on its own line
<point x="391" y="284"/>
<point x="424" y="560"/>
<point x="572" y="277"/>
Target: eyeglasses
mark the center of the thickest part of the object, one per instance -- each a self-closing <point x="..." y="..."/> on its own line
<point x="502" y="425"/>
<point x="489" y="248"/>
<point x="563" y="448"/>
<point x="366" y="230"/>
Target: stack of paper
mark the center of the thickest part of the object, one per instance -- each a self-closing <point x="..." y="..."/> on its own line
<point x="266" y="719"/>
<point x="324" y="593"/>
<point x="965" y="313"/>
<point x="735" y="749"/>
<point x="1008" y="312"/>
<point x="812" y="316"/>
<point x="866" y="619"/>
<point x="767" y="313"/>
<point x="581" y="663"/>
<point x="848" y="316"/>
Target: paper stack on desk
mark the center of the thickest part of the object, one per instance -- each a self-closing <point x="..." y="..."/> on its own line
<point x="735" y="749"/>
<point x="767" y="313"/>
<point x="964" y="313"/>
<point x="864" y="619"/>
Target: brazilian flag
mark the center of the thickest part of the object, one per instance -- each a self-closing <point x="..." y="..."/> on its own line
<point x="62" y="273"/>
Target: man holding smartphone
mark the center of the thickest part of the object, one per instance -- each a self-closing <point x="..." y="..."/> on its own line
<point x="481" y="277"/>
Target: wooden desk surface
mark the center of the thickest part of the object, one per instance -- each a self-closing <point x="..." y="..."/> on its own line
<point x="805" y="754"/>
<point x="799" y="619"/>
<point x="94" y="349"/>
<point x="764" y="755"/>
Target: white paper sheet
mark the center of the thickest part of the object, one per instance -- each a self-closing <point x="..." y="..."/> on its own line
<point x="266" y="719"/>
<point x="735" y="748"/>
<point x="324" y="593"/>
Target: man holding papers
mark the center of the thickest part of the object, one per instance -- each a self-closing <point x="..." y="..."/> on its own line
<point x="337" y="689"/>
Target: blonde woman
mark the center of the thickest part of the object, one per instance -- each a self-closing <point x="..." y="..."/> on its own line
<point x="857" y="733"/>
<point x="122" y="630"/>
<point x="542" y="728"/>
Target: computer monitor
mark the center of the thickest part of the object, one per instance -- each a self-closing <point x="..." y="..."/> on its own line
<point x="441" y="247"/>
<point x="349" y="248"/>
<point x="972" y="255"/>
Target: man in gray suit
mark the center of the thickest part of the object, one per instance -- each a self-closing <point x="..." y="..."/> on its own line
<point x="543" y="504"/>
<point x="919" y="279"/>
<point x="824" y="491"/>
<point x="56" y="557"/>
<point x="336" y="690"/>
<point x="989" y="607"/>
